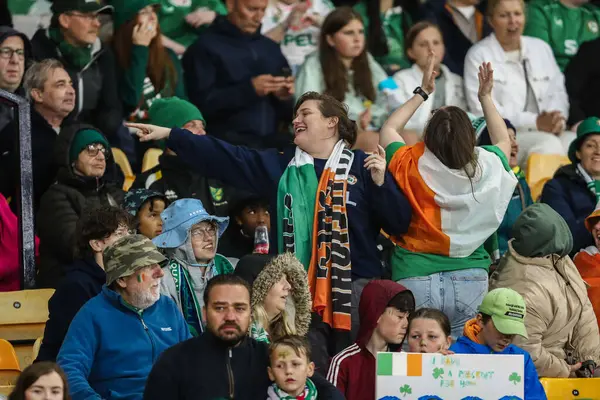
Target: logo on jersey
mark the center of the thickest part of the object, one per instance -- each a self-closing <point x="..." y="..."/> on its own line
<point x="181" y="3"/>
<point x="352" y="180"/>
<point x="593" y="26"/>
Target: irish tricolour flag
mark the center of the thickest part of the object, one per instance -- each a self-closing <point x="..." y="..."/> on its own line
<point x="399" y="364"/>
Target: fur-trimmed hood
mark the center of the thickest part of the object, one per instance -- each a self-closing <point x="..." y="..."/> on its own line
<point x="288" y="265"/>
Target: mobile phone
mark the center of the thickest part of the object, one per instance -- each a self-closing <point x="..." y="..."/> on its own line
<point x="285" y="72"/>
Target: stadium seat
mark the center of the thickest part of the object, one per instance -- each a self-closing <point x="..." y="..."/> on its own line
<point x="9" y="367"/>
<point x="23" y="319"/>
<point x="571" y="388"/>
<point x="151" y="159"/>
<point x="36" y="348"/>
<point x="123" y="162"/>
<point x="540" y="169"/>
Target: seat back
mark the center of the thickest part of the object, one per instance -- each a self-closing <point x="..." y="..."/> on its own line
<point x="23" y="319"/>
<point x="151" y="159"/>
<point x="123" y="163"/>
<point x="9" y="366"/>
<point x="571" y="388"/>
<point x="541" y="168"/>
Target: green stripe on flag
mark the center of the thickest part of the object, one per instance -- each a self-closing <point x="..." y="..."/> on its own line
<point x="384" y="364"/>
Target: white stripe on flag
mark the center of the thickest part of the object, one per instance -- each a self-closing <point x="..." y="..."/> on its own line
<point x="399" y="364"/>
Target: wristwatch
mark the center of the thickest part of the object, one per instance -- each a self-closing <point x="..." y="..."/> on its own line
<point x="421" y="93"/>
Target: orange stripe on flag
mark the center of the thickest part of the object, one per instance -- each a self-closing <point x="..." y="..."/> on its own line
<point x="414" y="365"/>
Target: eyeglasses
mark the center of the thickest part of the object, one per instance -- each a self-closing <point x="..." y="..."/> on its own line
<point x="210" y="232"/>
<point x="90" y="17"/>
<point x="92" y="150"/>
<point x="7" y="53"/>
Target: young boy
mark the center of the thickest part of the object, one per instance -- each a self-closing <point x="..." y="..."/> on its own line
<point x="384" y="309"/>
<point x="146" y="205"/>
<point x="501" y="317"/>
<point x="290" y="369"/>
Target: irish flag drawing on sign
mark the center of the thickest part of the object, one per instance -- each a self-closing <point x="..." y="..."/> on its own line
<point x="455" y="377"/>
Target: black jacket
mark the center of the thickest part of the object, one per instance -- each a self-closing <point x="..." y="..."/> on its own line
<point x="62" y="205"/>
<point x="582" y="79"/>
<point x="218" y="69"/>
<point x="177" y="181"/>
<point x="204" y="368"/>
<point x="98" y="101"/>
<point x="43" y="137"/>
<point x="83" y="280"/>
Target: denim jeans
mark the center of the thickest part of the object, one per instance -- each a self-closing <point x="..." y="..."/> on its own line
<point x="456" y="293"/>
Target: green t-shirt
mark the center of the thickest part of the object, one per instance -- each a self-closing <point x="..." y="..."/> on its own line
<point x="172" y="18"/>
<point x="393" y="23"/>
<point x="563" y="28"/>
<point x="408" y="264"/>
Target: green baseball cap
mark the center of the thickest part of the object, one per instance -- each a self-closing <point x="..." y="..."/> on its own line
<point x="126" y="10"/>
<point x="84" y="6"/>
<point x="587" y="127"/>
<point x="507" y="309"/>
<point x="129" y="254"/>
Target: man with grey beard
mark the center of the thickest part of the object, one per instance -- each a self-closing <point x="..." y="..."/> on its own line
<point x="117" y="336"/>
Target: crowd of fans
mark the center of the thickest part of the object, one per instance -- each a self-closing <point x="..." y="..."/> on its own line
<point x="334" y="182"/>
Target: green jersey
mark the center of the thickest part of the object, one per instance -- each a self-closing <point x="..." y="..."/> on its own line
<point x="393" y="26"/>
<point x="172" y="18"/>
<point x="563" y="28"/>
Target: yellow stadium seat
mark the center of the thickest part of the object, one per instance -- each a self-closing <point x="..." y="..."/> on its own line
<point x="151" y="159"/>
<point x="540" y="169"/>
<point x="123" y="162"/>
<point x="571" y="388"/>
<point x="23" y="319"/>
<point x="9" y="367"/>
<point x="36" y="348"/>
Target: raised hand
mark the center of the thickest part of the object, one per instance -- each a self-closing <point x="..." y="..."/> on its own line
<point x="428" y="84"/>
<point x="486" y="79"/>
<point x="375" y="164"/>
<point x="144" y="33"/>
<point x="147" y="132"/>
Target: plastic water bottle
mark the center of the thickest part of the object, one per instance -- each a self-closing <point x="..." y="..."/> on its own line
<point x="261" y="240"/>
<point x="390" y="90"/>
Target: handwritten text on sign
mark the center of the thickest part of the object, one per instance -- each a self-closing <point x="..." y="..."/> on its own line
<point x="435" y="376"/>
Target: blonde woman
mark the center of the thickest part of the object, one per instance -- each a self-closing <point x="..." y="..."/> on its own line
<point x="280" y="296"/>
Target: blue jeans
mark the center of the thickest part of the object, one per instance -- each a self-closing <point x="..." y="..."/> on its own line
<point x="456" y="293"/>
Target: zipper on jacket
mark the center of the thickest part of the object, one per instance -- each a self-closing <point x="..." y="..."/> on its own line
<point x="230" y="374"/>
<point x="150" y="336"/>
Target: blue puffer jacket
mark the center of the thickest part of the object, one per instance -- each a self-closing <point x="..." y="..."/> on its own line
<point x="569" y="196"/>
<point x="109" y="349"/>
<point x="533" y="388"/>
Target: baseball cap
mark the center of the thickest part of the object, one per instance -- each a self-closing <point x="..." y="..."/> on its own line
<point x="129" y="254"/>
<point x="84" y="6"/>
<point x="507" y="309"/>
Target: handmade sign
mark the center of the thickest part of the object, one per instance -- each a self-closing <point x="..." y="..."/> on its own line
<point x="455" y="377"/>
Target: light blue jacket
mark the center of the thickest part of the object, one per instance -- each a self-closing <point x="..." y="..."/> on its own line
<point x="110" y="348"/>
<point x="533" y="388"/>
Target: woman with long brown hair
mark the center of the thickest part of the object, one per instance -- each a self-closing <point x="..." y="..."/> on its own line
<point x="147" y="70"/>
<point x="459" y="193"/>
<point x="344" y="69"/>
<point x="41" y="381"/>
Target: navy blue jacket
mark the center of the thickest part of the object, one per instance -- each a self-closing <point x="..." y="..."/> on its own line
<point x="110" y="348"/>
<point x="370" y="208"/>
<point x="218" y="69"/>
<point x="83" y="280"/>
<point x="569" y="196"/>
<point x="456" y="43"/>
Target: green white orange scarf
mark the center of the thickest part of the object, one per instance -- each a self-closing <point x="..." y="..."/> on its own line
<point x="313" y="224"/>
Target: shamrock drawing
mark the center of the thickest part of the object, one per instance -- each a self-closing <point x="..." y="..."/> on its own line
<point x="514" y="378"/>
<point x="404" y="390"/>
<point x="438" y="373"/>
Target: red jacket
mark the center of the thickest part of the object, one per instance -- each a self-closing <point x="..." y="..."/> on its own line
<point x="352" y="370"/>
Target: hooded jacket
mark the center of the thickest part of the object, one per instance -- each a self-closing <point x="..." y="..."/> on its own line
<point x="6" y="113"/>
<point x="569" y="196"/>
<point x="468" y="344"/>
<point x="98" y="101"/>
<point x="299" y="304"/>
<point x="560" y="317"/>
<point x="353" y="370"/>
<point x="62" y="205"/>
<point x="218" y="69"/>
<point x="83" y="280"/>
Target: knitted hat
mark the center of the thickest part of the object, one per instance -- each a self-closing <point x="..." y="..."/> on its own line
<point x="481" y="131"/>
<point x="126" y="10"/>
<point x="82" y="139"/>
<point x="285" y="264"/>
<point x="135" y="198"/>
<point x="587" y="127"/>
<point x="251" y="265"/>
<point x="173" y="112"/>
